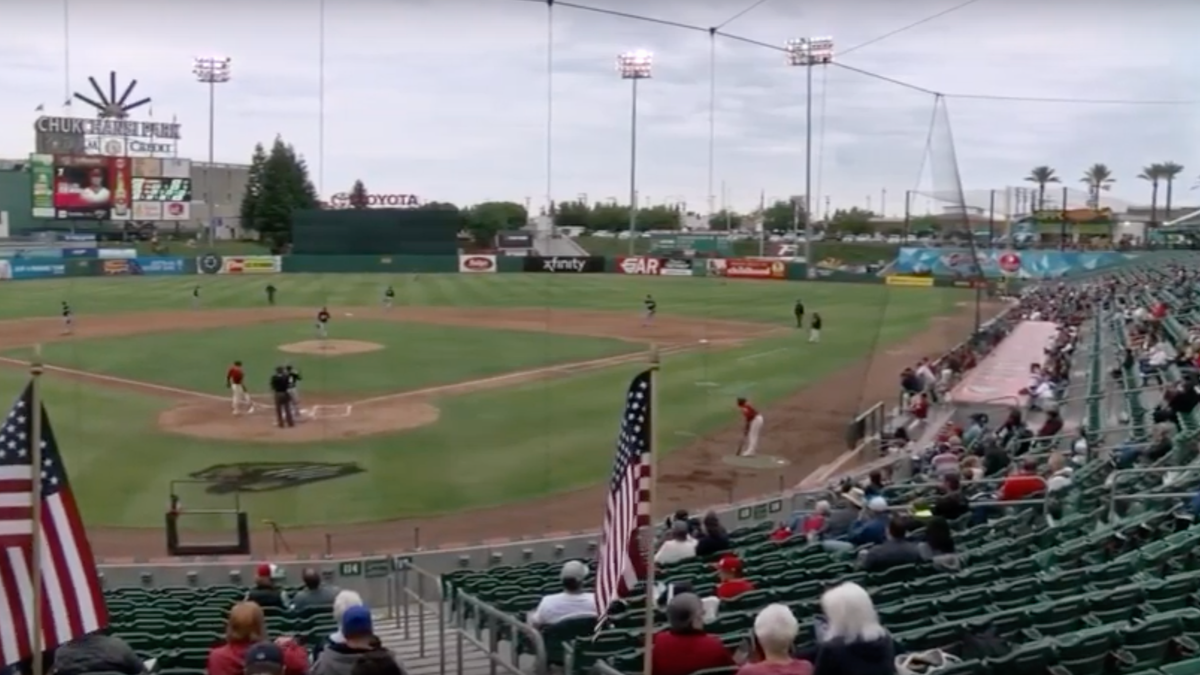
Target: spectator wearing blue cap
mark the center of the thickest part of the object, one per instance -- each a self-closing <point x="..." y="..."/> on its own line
<point x="263" y="658"/>
<point x="358" y="635"/>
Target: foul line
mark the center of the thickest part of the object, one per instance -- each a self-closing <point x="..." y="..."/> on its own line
<point x="566" y="368"/>
<point x="84" y="374"/>
<point x="751" y="357"/>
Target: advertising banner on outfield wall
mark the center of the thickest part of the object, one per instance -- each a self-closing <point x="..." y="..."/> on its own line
<point x="80" y="252"/>
<point x="652" y="266"/>
<point x="901" y="280"/>
<point x="564" y="264"/>
<point x="211" y="263"/>
<point x="38" y="270"/>
<point x="116" y="253"/>
<point x="747" y="268"/>
<point x="477" y="264"/>
<point x="143" y="267"/>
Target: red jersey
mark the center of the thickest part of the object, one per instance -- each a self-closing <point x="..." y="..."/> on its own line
<point x="748" y="412"/>
<point x="234" y="375"/>
<point x="728" y="590"/>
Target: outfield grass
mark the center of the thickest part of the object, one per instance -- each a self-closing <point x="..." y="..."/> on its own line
<point x="489" y="447"/>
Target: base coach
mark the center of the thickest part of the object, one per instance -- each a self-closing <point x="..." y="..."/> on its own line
<point x="280" y="384"/>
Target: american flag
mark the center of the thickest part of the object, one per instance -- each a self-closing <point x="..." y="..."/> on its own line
<point x="621" y="563"/>
<point x="72" y="603"/>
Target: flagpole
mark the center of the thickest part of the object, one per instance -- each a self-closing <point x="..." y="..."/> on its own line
<point x="651" y="599"/>
<point x="35" y="547"/>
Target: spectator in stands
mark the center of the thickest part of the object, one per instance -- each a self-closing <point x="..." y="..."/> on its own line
<point x="678" y="546"/>
<point x="995" y="457"/>
<point x="1051" y="427"/>
<point x="246" y="627"/>
<point x="359" y="630"/>
<point x="344" y="601"/>
<point x="1153" y="362"/>
<point x="572" y="602"/>
<point x="715" y="538"/>
<point x="938" y="547"/>
<point x="897" y="550"/>
<point x="684" y="647"/>
<point x="314" y="593"/>
<point x="97" y="652"/>
<point x="975" y="429"/>
<point x="919" y="407"/>
<point x="812" y="526"/>
<point x="1023" y="483"/>
<point x="843" y="518"/>
<point x="775" y="630"/>
<point x="852" y="642"/>
<point x="1186" y="397"/>
<point x="1058" y="473"/>
<point x="951" y="504"/>
<point x="971" y="469"/>
<point x="875" y="485"/>
<point x="910" y="384"/>
<point x="731" y="580"/>
<point x="264" y="592"/>
<point x="926" y="375"/>
<point x="945" y="462"/>
<point x="870" y="529"/>
<point x="378" y="662"/>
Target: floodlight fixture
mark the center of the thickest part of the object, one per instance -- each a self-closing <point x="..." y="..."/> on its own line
<point x="635" y="65"/>
<point x="812" y="51"/>
<point x="212" y="69"/>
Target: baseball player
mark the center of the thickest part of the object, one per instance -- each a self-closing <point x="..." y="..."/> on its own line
<point x="235" y="379"/>
<point x="68" y="319"/>
<point x="270" y="289"/>
<point x="814" y="328"/>
<point x="754" y="425"/>
<point x="389" y="296"/>
<point x="651" y="308"/>
<point x="798" y="310"/>
<point x="195" y="297"/>
<point x="294" y="378"/>
<point x="323" y="323"/>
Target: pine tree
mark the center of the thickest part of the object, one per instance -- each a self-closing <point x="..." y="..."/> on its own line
<point x="284" y="188"/>
<point x="358" y="195"/>
<point x="249" y="208"/>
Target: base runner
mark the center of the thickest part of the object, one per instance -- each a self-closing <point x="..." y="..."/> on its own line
<point x="754" y="425"/>
<point x="235" y="379"/>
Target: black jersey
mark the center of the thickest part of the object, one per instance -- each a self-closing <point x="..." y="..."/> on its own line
<point x="323" y="316"/>
<point x="66" y="310"/>
<point x="196" y="292"/>
<point x="651" y="305"/>
<point x="293" y="379"/>
<point x="389" y="293"/>
<point x="816" y="322"/>
<point x="799" y="308"/>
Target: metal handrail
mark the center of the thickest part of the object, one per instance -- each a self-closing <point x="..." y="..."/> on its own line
<point x="462" y="600"/>
<point x="405" y="595"/>
<point x="601" y="667"/>
<point x="1113" y="497"/>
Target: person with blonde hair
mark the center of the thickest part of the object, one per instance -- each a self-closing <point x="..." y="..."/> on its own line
<point x="775" y="630"/>
<point x="344" y="600"/>
<point x="852" y="641"/>
<point x="247" y="626"/>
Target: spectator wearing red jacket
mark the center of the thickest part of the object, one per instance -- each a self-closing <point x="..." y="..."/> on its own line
<point x="732" y="583"/>
<point x="1023" y="483"/>
<point x="246" y="627"/>
<point x="684" y="647"/>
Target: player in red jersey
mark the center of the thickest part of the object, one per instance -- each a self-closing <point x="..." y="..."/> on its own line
<point x="235" y="379"/>
<point x="754" y="425"/>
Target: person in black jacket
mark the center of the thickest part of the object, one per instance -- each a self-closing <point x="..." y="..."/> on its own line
<point x="715" y="538"/>
<point x="280" y="386"/>
<point x="97" y="653"/>
<point x="264" y="593"/>
<point x="798" y="310"/>
<point x="851" y="641"/>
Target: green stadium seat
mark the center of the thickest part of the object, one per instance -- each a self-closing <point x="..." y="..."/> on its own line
<point x="1157" y="640"/>
<point x="1188" y="667"/>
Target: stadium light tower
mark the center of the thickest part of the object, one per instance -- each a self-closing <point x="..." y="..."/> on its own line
<point x="634" y="66"/>
<point x="809" y="52"/>
<point x="211" y="70"/>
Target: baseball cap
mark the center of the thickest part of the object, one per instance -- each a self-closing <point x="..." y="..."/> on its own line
<point x="574" y="569"/>
<point x="263" y="657"/>
<point x="356" y="622"/>
<point x="877" y="504"/>
<point x="266" y="570"/>
<point x="730" y="563"/>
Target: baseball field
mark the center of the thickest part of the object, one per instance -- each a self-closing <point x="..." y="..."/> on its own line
<point x="478" y="407"/>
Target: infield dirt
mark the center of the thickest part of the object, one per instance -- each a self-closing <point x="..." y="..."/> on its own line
<point x="807" y="428"/>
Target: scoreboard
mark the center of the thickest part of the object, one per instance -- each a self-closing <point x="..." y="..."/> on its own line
<point x="93" y="187"/>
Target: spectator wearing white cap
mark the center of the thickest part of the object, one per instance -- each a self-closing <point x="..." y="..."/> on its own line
<point x="680" y="545"/>
<point x="571" y="603"/>
<point x="870" y="529"/>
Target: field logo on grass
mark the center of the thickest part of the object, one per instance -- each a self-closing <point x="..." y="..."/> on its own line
<point x="271" y="476"/>
<point x="477" y="264"/>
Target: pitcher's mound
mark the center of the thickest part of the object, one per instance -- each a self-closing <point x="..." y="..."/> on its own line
<point x="213" y="419"/>
<point x="330" y="347"/>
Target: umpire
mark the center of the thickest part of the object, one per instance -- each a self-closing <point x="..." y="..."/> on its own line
<point x="280" y="383"/>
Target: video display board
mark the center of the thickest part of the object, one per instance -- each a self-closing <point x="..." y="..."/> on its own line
<point x="98" y="187"/>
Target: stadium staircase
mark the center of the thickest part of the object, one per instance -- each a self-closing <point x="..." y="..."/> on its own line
<point x="548" y="245"/>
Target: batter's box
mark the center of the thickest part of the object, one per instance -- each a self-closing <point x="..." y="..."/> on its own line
<point x="327" y="412"/>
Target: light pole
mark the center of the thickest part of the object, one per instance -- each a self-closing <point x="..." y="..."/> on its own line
<point x="809" y="52"/>
<point x="634" y="66"/>
<point x="211" y="70"/>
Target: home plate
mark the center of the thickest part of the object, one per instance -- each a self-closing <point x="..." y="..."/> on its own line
<point x="756" y="461"/>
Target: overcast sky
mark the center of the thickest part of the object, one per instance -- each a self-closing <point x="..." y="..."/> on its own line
<point x="447" y="99"/>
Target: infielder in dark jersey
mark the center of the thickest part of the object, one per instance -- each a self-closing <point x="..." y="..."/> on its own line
<point x="389" y="296"/>
<point x="68" y="318"/>
<point x="651" y="309"/>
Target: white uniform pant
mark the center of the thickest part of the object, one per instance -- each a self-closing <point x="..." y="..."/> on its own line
<point x="322" y="330"/>
<point x="240" y="398"/>
<point x="752" y="434"/>
<point x="814" y="335"/>
<point x="294" y="398"/>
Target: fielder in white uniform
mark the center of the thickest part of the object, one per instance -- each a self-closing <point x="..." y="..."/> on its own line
<point x="754" y="425"/>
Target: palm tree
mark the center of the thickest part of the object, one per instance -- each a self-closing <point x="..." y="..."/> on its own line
<point x="1099" y="179"/>
<point x="1042" y="176"/>
<point x="1170" y="171"/>
<point x="1153" y="174"/>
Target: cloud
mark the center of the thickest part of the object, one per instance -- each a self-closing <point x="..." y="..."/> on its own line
<point x="448" y="99"/>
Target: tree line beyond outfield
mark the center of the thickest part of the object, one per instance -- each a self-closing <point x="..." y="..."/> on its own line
<point x="279" y="184"/>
